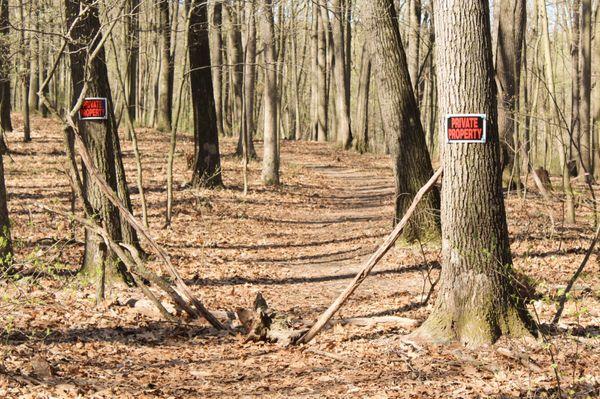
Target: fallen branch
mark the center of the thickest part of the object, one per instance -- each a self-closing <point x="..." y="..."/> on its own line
<point x="371" y="262"/>
<point x="586" y="258"/>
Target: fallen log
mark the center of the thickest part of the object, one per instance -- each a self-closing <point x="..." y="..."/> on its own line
<point x="370" y="263"/>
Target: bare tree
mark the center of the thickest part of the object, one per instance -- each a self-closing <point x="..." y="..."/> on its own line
<point x="207" y="159"/>
<point x="165" y="81"/>
<point x="342" y="105"/>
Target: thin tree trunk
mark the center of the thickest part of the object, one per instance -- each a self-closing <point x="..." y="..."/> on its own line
<point x="270" y="172"/>
<point x="249" y="80"/>
<point x="5" y="105"/>
<point x="24" y="77"/>
<point x="216" y="56"/>
<point x="342" y="107"/>
<point x="575" y="80"/>
<point x="133" y="55"/>
<point x="361" y="122"/>
<point x="165" y="81"/>
<point x="414" y="44"/>
<point x="586" y="88"/>
<point x="322" y="96"/>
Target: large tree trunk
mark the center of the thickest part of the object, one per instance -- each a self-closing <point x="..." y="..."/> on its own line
<point x="270" y="171"/>
<point x="5" y="119"/>
<point x="100" y="138"/>
<point x="402" y="123"/>
<point x="511" y="31"/>
<point x="165" y="80"/>
<point x="342" y="107"/>
<point x="361" y="122"/>
<point x="216" y="56"/>
<point x="207" y="160"/>
<point x="586" y="89"/>
<point x="477" y="300"/>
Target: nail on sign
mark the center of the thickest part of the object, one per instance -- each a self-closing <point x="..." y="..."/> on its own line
<point x="93" y="108"/>
<point x="466" y="128"/>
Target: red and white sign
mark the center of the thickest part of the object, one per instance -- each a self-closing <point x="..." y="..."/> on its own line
<point x="466" y="128"/>
<point x="93" y="108"/>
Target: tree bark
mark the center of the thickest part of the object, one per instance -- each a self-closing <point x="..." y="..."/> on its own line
<point x="342" y="107"/>
<point x="511" y="32"/>
<point x="5" y="119"/>
<point x="402" y="123"/>
<point x="315" y="73"/>
<point x="34" y="51"/>
<point x="270" y="171"/>
<point x="100" y="139"/>
<point x="165" y="82"/>
<point x="477" y="301"/>
<point x="207" y="159"/>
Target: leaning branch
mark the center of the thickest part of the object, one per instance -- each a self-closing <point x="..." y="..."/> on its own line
<point x="371" y="262"/>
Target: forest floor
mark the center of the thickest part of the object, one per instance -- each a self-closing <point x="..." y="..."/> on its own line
<point x="299" y="245"/>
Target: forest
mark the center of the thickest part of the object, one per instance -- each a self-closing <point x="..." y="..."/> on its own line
<point x="299" y="198"/>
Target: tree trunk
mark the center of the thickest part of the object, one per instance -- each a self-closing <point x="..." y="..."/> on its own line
<point x="5" y="119"/>
<point x="575" y="80"/>
<point x="402" y="123"/>
<point x="315" y="73"/>
<point x="270" y="172"/>
<point x="207" y="159"/>
<point x="586" y="89"/>
<point x="554" y="108"/>
<point x="322" y="97"/>
<point x="165" y="80"/>
<point x="250" y="79"/>
<point x="100" y="138"/>
<point x="361" y="122"/>
<point x="216" y="56"/>
<point x="34" y="50"/>
<point x="511" y="31"/>
<point x="342" y="107"/>
<point x="133" y="56"/>
<point x="414" y="44"/>
<point x="6" y="252"/>
<point x="477" y="301"/>
<point x="24" y="77"/>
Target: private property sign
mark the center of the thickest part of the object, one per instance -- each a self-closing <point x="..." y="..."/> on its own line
<point x="93" y="108"/>
<point x="466" y="128"/>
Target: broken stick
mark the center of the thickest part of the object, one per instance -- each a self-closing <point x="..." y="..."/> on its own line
<point x="371" y="262"/>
